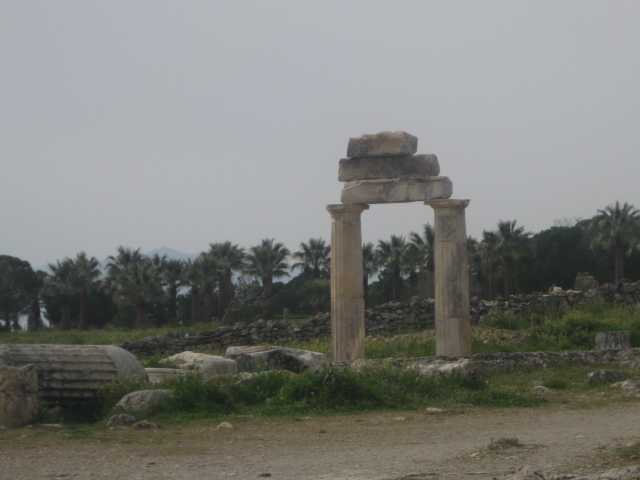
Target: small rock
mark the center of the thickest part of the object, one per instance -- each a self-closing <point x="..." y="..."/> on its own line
<point x="541" y="390"/>
<point x="605" y="376"/>
<point x="224" y="425"/>
<point x="121" y="419"/>
<point x="529" y="473"/>
<point x="630" y="385"/>
<point x="434" y="410"/>
<point x="264" y="475"/>
<point x="144" y="425"/>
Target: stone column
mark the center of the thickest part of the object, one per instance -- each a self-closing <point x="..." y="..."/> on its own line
<point x="453" y="324"/>
<point x="347" y="291"/>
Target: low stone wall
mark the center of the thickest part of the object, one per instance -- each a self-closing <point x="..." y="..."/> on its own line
<point x="513" y="362"/>
<point x="389" y="318"/>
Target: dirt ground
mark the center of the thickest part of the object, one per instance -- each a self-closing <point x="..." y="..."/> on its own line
<point x="560" y="438"/>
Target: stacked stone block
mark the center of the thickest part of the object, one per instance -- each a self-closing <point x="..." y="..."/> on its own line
<point x="383" y="168"/>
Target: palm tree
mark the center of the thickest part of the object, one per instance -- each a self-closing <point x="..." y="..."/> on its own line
<point x="62" y="282"/>
<point x="192" y="275"/>
<point x="392" y="257"/>
<point x="87" y="275"/>
<point x="209" y="270"/>
<point x="489" y="259"/>
<point x="617" y="226"/>
<point x="370" y="266"/>
<point x="172" y="273"/>
<point x="229" y="258"/>
<point x="266" y="262"/>
<point x="314" y="258"/>
<point x="425" y="242"/>
<point x="510" y="242"/>
<point x="139" y="284"/>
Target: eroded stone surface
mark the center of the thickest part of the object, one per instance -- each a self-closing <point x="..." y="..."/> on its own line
<point x="207" y="366"/>
<point x="18" y="395"/>
<point x="397" y="190"/>
<point x="374" y="168"/>
<point x="250" y="359"/>
<point x="383" y="143"/>
<point x="142" y="400"/>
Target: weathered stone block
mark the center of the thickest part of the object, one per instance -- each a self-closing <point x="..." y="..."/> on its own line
<point x="373" y="168"/>
<point x="397" y="190"/>
<point x="207" y="366"/>
<point x="251" y="359"/>
<point x="585" y="283"/>
<point x="383" y="143"/>
<point x="18" y="395"/>
<point x="142" y="400"/>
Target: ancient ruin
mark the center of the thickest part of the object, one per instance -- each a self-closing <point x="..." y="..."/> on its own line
<point x="384" y="168"/>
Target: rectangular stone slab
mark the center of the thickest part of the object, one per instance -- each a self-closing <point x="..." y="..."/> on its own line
<point x="383" y="144"/>
<point x="397" y="190"/>
<point x="374" y="168"/>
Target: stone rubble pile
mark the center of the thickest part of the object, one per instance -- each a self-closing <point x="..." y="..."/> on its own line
<point x="383" y="168"/>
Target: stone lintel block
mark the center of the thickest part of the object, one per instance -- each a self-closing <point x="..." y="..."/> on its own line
<point x="397" y="190"/>
<point x="383" y="143"/>
<point x="375" y="168"/>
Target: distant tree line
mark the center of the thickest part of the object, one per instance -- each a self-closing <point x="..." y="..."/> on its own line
<point x="227" y="283"/>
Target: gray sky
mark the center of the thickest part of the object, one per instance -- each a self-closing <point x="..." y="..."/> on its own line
<point x="152" y="123"/>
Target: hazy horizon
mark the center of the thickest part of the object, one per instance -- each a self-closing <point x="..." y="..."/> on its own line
<point x="156" y="123"/>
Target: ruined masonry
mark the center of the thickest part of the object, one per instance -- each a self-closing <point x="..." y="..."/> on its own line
<point x="384" y="168"/>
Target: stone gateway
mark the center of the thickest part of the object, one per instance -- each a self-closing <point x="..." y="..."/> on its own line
<point x="383" y="168"/>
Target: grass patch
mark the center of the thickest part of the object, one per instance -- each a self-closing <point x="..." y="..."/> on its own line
<point x="631" y="451"/>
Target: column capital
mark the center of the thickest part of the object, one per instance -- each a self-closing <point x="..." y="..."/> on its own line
<point x="447" y="203"/>
<point x="338" y="208"/>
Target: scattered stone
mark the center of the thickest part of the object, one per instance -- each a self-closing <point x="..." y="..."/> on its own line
<point x="250" y="359"/>
<point x="121" y="420"/>
<point x="375" y="168"/>
<point x="207" y="366"/>
<point x="630" y="385"/>
<point x="18" y="395"/>
<point x="224" y="425"/>
<point x="397" y="190"/>
<point x="432" y="410"/>
<point x="585" y="282"/>
<point x="464" y="366"/>
<point x="145" y="425"/>
<point x="542" y="390"/>
<point x="142" y="400"/>
<point x="529" y="473"/>
<point x="383" y="143"/>
<point x="600" y="377"/>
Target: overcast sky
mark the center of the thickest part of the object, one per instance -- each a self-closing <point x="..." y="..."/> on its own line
<point x="151" y="123"/>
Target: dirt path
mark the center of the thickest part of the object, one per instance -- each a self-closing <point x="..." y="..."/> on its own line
<point x="374" y="447"/>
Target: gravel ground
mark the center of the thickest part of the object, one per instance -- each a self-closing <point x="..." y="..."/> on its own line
<point x="575" y="438"/>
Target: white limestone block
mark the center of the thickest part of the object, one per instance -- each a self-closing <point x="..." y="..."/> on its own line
<point x="206" y="365"/>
